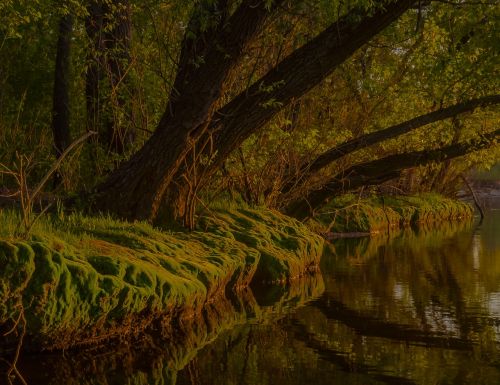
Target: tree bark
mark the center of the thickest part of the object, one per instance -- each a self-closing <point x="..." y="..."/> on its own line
<point x="61" y="108"/>
<point x="117" y="41"/>
<point x="380" y="171"/>
<point x="136" y="188"/>
<point x="367" y="140"/>
<point x="94" y="25"/>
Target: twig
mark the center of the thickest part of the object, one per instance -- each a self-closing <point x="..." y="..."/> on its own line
<point x="474" y="196"/>
<point x="31" y="224"/>
<point x="57" y="164"/>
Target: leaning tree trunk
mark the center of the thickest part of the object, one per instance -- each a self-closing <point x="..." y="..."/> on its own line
<point x="382" y="170"/>
<point x="296" y="75"/>
<point x="328" y="157"/>
<point x="289" y="80"/>
<point x="136" y="188"/>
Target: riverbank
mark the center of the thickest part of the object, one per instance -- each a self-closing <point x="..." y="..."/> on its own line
<point x="351" y="214"/>
<point x="163" y="355"/>
<point x="82" y="281"/>
<point x="256" y="333"/>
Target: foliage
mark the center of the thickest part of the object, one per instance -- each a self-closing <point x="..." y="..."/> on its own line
<point x="412" y="68"/>
<point x="437" y="54"/>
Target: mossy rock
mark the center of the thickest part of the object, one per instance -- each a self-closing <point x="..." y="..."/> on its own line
<point x="81" y="290"/>
<point x="85" y="278"/>
<point x="359" y="217"/>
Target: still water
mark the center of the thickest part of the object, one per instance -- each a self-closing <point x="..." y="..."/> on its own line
<point x="419" y="307"/>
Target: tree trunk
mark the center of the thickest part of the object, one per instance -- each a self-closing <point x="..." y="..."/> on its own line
<point x="108" y="27"/>
<point x="140" y="183"/>
<point x="94" y="28"/>
<point x="61" y="109"/>
<point x="117" y="41"/>
<point x="380" y="171"/>
<point x="298" y="73"/>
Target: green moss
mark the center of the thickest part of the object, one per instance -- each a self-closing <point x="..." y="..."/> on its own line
<point x="287" y="247"/>
<point x="82" y="277"/>
<point x="349" y="214"/>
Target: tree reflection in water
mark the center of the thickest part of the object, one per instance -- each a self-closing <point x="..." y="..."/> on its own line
<point x="414" y="307"/>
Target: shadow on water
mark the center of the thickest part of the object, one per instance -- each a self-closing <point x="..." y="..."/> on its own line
<point x="416" y="307"/>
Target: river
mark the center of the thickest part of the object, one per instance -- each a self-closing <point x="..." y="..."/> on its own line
<point x="418" y="307"/>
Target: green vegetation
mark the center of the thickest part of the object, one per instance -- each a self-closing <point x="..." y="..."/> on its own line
<point x="159" y="359"/>
<point x="142" y="115"/>
<point x="80" y="278"/>
<point x="273" y="100"/>
<point x="287" y="248"/>
<point x="351" y="214"/>
<point x="391" y="333"/>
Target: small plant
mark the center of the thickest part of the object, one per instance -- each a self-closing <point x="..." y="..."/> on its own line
<point x="20" y="172"/>
<point x="27" y="198"/>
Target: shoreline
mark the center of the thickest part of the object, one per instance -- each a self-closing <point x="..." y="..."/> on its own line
<point x="101" y="279"/>
<point x="80" y="281"/>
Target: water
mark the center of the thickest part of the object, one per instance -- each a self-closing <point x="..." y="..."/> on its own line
<point x="420" y="307"/>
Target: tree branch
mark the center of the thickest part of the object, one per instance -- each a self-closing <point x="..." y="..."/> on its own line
<point x="367" y="140"/>
<point x="382" y="170"/>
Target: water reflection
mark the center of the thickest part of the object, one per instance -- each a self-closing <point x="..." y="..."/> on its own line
<point x="418" y="307"/>
<point x="157" y="358"/>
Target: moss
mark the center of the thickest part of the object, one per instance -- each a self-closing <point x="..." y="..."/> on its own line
<point x="349" y="214"/>
<point x="287" y="247"/>
<point x="157" y="360"/>
<point x="82" y="278"/>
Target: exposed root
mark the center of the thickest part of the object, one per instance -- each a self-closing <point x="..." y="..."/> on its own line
<point x="13" y="371"/>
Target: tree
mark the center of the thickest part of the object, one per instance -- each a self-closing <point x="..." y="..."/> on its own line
<point x="382" y="170"/>
<point x="206" y="60"/>
<point x="363" y="141"/>
<point x="61" y="107"/>
<point x="108" y="27"/>
<point x="245" y="94"/>
<point x="136" y="189"/>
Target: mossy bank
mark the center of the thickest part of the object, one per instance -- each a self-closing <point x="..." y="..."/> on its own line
<point x="375" y="214"/>
<point x="81" y="280"/>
